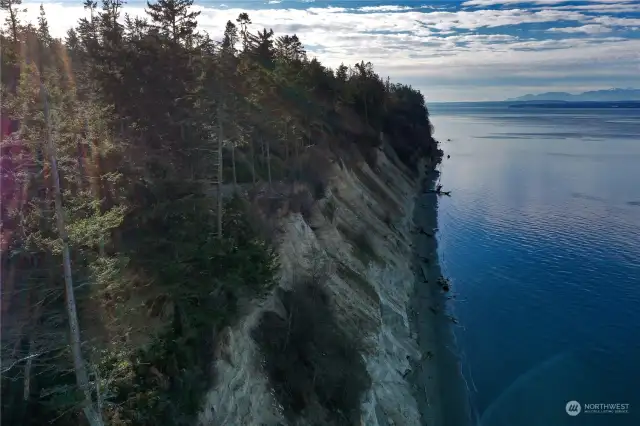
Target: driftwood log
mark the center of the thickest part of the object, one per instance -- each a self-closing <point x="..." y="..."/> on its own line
<point x="433" y="191"/>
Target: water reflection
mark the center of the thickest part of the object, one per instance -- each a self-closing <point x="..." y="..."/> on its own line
<point x="542" y="240"/>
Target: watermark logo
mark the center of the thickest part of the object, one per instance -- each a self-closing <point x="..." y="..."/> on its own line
<point x="573" y="408"/>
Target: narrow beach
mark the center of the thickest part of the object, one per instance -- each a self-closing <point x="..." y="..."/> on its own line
<point x="436" y="377"/>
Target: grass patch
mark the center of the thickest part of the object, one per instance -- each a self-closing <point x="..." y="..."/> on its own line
<point x="309" y="359"/>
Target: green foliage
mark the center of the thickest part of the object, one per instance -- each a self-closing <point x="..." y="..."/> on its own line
<point x="307" y="357"/>
<point x="161" y="384"/>
<point x="202" y="278"/>
<point x="93" y="229"/>
<point x="138" y="111"/>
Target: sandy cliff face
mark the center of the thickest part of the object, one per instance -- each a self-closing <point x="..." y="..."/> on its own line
<point x="358" y="237"/>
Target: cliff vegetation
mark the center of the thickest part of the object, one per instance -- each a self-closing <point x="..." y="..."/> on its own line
<point x="142" y="163"/>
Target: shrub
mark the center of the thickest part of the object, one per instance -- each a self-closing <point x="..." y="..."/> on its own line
<point x="330" y="209"/>
<point x="319" y="190"/>
<point x="314" y="171"/>
<point x="301" y="202"/>
<point x="203" y="278"/>
<point x="308" y="357"/>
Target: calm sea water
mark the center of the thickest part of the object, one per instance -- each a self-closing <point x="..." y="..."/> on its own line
<point x="541" y="240"/>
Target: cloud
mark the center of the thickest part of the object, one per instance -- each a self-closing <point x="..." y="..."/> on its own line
<point x="613" y="21"/>
<point x="602" y="8"/>
<point x="481" y="50"/>
<point x="337" y="19"/>
<point x="392" y="8"/>
<point x="588" y="29"/>
<point x="485" y="3"/>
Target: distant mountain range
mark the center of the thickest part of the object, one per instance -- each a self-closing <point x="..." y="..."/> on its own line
<point x="609" y="95"/>
<point x="574" y="104"/>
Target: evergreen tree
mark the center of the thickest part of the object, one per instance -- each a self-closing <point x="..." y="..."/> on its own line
<point x="244" y="21"/>
<point x="173" y="18"/>
<point x="141" y="114"/>
<point x="12" y="21"/>
<point x="230" y="38"/>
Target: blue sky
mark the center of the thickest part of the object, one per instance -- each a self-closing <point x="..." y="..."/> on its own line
<point x="450" y="50"/>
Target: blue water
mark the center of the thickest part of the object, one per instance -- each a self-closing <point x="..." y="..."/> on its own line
<point x="541" y="240"/>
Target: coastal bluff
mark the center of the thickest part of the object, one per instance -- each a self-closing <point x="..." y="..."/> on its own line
<point x="356" y="245"/>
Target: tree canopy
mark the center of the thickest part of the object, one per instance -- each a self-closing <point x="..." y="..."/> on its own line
<point x="146" y="116"/>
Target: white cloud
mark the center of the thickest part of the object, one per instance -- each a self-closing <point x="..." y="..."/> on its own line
<point x="335" y="19"/>
<point x="391" y="8"/>
<point x="508" y="2"/>
<point x="587" y="29"/>
<point x="602" y="8"/>
<point x="436" y="47"/>
<point x="538" y="2"/>
<point x="619" y="22"/>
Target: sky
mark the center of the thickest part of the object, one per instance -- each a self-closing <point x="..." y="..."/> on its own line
<point x="469" y="50"/>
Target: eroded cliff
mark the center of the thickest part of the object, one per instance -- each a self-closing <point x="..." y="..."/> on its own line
<point x="346" y="281"/>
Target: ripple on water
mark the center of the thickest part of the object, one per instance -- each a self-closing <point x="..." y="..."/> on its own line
<point x="544" y="252"/>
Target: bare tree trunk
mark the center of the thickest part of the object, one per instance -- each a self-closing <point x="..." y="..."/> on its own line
<point x="233" y="166"/>
<point x="26" y="391"/>
<point x="220" y="142"/>
<point x="99" y="396"/>
<point x="124" y="133"/>
<point x="286" y="159"/>
<point x="268" y="161"/>
<point x="253" y="161"/>
<point x="94" y="418"/>
<point x="12" y="21"/>
<point x="366" y="110"/>
<point x="262" y="150"/>
<point x="296" y="145"/>
<point x="309" y="130"/>
<point x="286" y="150"/>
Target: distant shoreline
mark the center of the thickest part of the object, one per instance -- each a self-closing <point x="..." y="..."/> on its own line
<point x="543" y="104"/>
<point x="569" y="104"/>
